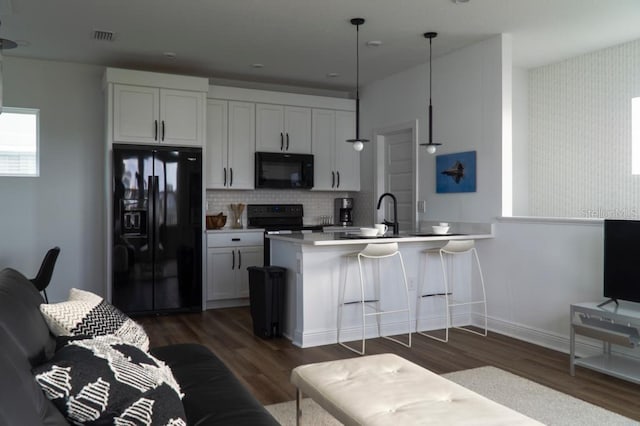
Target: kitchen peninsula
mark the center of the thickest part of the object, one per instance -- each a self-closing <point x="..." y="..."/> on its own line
<point x="317" y="264"/>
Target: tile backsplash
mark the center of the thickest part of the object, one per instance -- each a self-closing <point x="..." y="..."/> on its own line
<point x="315" y="204"/>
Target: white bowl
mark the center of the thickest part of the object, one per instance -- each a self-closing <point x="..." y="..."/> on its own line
<point x="368" y="232"/>
<point x="440" y="230"/>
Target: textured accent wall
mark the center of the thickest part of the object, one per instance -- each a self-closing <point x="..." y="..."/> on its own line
<point x="580" y="135"/>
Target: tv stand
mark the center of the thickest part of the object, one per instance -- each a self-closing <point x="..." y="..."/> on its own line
<point x="606" y="302"/>
<point x="613" y="326"/>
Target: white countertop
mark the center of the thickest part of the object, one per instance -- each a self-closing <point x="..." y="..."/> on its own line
<point x="333" y="239"/>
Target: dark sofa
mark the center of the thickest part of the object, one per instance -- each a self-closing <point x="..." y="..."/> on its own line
<point x="213" y="395"/>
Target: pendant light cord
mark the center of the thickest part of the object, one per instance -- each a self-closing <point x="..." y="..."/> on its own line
<point x="357" y="82"/>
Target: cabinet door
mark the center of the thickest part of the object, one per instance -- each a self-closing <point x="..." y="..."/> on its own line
<point x="249" y="256"/>
<point x="217" y="135"/>
<point x="269" y="128"/>
<point x="347" y="160"/>
<point x="222" y="265"/>
<point x="136" y="114"/>
<point x="242" y="145"/>
<point x="297" y="130"/>
<point x="323" y="143"/>
<point x="181" y="117"/>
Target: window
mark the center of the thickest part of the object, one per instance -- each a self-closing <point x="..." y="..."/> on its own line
<point x="19" y="142"/>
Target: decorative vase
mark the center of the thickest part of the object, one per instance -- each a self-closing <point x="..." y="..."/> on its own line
<point x="236" y="215"/>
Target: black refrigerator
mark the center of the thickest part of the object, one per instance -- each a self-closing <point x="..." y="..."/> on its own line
<point x="157" y="229"/>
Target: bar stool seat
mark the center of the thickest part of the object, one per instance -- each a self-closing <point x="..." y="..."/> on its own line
<point x="371" y="306"/>
<point x="451" y="249"/>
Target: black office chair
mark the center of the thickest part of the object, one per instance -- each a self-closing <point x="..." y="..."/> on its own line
<point x="41" y="281"/>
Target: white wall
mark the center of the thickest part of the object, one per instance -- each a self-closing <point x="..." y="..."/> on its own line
<point x="520" y="142"/>
<point x="533" y="269"/>
<point x="64" y="206"/>
<point x="467" y="117"/>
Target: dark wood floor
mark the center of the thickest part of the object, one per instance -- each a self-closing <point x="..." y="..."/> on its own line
<point x="264" y="365"/>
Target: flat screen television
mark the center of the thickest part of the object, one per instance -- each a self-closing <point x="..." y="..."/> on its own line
<point x="622" y="260"/>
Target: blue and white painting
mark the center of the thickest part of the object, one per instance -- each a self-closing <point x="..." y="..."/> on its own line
<point x="456" y="172"/>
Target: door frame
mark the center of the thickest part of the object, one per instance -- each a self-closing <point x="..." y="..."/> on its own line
<point x="379" y="136"/>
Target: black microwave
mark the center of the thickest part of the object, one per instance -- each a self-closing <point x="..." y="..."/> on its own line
<point x="283" y="171"/>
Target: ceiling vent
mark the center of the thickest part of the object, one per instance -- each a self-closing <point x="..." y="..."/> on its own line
<point x="103" y="35"/>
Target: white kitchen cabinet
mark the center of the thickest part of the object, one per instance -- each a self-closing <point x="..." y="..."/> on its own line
<point x="282" y="128"/>
<point x="230" y="144"/>
<point x="150" y="115"/>
<point x="229" y="254"/>
<point x="336" y="163"/>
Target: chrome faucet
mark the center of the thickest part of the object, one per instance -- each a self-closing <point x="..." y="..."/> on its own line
<point x="393" y="224"/>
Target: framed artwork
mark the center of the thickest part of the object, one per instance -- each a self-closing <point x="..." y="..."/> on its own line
<point x="456" y="172"/>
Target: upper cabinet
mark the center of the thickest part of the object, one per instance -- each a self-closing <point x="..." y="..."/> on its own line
<point x="230" y="144"/>
<point x="150" y="108"/>
<point x="282" y="128"/>
<point x="336" y="163"/>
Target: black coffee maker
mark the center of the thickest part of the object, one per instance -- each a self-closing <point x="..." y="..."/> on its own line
<point x="342" y="211"/>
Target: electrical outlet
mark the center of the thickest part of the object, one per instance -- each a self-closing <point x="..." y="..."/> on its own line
<point x="207" y="206"/>
<point x="422" y="206"/>
<point x="411" y="282"/>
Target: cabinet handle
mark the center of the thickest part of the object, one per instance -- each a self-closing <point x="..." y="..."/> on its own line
<point x="235" y="239"/>
<point x="239" y="259"/>
<point x="162" y="129"/>
<point x="155" y="132"/>
<point x="333" y="179"/>
<point x="231" y="179"/>
<point x="233" y="261"/>
<point x="225" y="177"/>
<point x="287" y="142"/>
<point x="281" y="141"/>
<point x="338" y="174"/>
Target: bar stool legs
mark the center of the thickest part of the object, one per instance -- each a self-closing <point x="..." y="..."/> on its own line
<point x="373" y="251"/>
<point x="451" y="249"/>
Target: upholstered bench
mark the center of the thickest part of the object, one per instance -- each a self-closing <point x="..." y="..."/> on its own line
<point x="389" y="390"/>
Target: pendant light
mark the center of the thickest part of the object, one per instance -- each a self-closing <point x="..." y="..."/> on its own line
<point x="358" y="141"/>
<point x="431" y="145"/>
<point x="4" y="45"/>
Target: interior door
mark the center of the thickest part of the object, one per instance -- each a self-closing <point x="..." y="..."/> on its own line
<point x="399" y="178"/>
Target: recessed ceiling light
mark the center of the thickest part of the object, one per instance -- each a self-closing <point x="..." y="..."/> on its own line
<point x="257" y="65"/>
<point x="169" y="55"/>
<point x="460" y="1"/>
<point x="333" y="74"/>
<point x="374" y="43"/>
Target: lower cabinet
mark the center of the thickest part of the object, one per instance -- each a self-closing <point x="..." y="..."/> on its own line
<point x="229" y="254"/>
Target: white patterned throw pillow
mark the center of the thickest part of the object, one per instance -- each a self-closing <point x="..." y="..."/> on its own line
<point x="87" y="314"/>
<point x="104" y="380"/>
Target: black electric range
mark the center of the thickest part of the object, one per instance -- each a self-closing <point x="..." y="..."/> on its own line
<point x="277" y="219"/>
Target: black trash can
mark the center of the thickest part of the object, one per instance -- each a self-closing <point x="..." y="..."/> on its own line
<point x="266" y="296"/>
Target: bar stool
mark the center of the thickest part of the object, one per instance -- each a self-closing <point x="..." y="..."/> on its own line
<point x="374" y="251"/>
<point x="451" y="249"/>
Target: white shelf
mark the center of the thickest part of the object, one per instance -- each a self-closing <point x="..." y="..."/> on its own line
<point x="613" y="326"/>
<point x="614" y="365"/>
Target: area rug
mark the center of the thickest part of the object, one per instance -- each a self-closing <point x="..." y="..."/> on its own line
<point x="531" y="399"/>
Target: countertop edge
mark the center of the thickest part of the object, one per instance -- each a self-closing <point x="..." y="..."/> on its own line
<point x="296" y="239"/>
